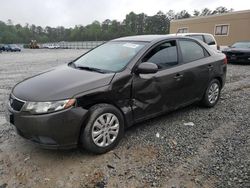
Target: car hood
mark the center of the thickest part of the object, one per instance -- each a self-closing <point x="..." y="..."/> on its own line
<point x="60" y="83"/>
<point x="236" y="50"/>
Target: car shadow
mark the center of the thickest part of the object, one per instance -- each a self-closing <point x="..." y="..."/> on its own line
<point x="239" y="63"/>
<point x="164" y="116"/>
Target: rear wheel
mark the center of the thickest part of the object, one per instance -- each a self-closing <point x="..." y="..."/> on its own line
<point x="104" y="129"/>
<point x="212" y="94"/>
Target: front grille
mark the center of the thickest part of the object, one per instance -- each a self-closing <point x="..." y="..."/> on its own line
<point x="16" y="104"/>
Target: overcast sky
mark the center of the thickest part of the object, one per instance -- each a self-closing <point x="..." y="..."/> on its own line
<point x="69" y="13"/>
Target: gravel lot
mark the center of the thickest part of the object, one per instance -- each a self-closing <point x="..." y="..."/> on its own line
<point x="214" y="151"/>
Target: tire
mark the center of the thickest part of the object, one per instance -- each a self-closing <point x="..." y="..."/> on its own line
<point x="91" y="139"/>
<point x="212" y="94"/>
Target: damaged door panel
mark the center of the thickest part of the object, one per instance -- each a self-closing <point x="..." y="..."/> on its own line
<point x="155" y="93"/>
<point x="163" y="91"/>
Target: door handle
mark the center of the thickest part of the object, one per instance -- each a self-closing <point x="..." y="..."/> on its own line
<point x="178" y="76"/>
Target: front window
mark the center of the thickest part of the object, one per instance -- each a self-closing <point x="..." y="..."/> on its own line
<point x="241" y="45"/>
<point x="110" y="57"/>
<point x="163" y="55"/>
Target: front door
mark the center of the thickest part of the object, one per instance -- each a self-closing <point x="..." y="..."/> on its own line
<point x="159" y="92"/>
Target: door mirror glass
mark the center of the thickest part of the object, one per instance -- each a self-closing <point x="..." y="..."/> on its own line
<point x="147" y="68"/>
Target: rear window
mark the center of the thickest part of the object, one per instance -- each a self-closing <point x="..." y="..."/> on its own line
<point x="199" y="37"/>
<point x="191" y="51"/>
<point x="209" y="40"/>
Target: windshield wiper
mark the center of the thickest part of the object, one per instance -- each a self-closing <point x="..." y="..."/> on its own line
<point x="91" y="69"/>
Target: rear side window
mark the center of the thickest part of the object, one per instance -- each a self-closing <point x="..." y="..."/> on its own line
<point x="209" y="40"/>
<point x="199" y="37"/>
<point x="191" y="51"/>
<point x="164" y="55"/>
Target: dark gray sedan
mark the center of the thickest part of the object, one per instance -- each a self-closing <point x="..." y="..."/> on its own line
<point x="89" y="102"/>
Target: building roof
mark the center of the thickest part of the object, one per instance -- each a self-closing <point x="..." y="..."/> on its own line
<point x="211" y="16"/>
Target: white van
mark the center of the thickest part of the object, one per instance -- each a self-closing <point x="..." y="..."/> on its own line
<point x="205" y="37"/>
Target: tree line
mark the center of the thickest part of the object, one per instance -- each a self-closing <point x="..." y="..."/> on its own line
<point x="133" y="24"/>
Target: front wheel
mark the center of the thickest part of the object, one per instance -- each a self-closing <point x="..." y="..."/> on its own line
<point x="212" y="94"/>
<point x="104" y="129"/>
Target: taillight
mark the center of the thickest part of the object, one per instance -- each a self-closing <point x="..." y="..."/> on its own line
<point x="225" y="61"/>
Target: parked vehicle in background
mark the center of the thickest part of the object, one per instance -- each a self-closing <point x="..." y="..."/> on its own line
<point x="239" y="52"/>
<point x="205" y="37"/>
<point x="5" y="47"/>
<point x="1" y="47"/>
<point x="90" y="101"/>
<point x="53" y="46"/>
<point x="12" y="48"/>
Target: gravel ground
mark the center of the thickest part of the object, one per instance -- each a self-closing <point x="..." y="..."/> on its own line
<point x="214" y="151"/>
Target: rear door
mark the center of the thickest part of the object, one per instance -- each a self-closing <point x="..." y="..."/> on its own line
<point x="195" y="68"/>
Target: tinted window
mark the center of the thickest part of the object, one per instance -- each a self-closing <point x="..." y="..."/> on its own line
<point x="191" y="51"/>
<point x="164" y="55"/>
<point x="199" y="37"/>
<point x="209" y="40"/>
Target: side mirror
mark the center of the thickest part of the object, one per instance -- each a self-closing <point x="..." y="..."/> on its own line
<point x="147" y="68"/>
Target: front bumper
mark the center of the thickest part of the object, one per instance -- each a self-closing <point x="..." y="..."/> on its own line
<point x="238" y="59"/>
<point x="53" y="131"/>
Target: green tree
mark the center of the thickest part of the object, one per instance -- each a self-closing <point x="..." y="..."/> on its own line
<point x="183" y="14"/>
<point x="133" y="24"/>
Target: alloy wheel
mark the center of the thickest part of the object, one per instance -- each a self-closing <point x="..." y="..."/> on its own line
<point x="213" y="93"/>
<point x="105" y="129"/>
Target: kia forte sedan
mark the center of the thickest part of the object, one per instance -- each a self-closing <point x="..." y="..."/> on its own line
<point x="90" y="101"/>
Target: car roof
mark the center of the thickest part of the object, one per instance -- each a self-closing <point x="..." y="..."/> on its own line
<point x="145" y="38"/>
<point x="194" y="34"/>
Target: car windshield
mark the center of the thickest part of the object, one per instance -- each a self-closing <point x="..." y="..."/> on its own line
<point x="241" y="45"/>
<point x="109" y="57"/>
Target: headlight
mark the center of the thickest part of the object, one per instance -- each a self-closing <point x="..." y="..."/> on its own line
<point x="46" y="107"/>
